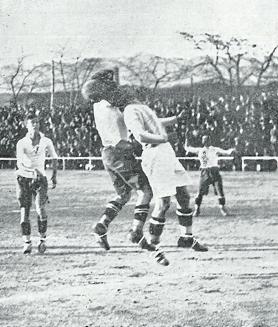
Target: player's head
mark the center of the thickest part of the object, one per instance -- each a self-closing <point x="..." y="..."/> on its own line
<point x="123" y="96"/>
<point x="206" y="140"/>
<point x="32" y="123"/>
<point x="97" y="89"/>
<point x="104" y="75"/>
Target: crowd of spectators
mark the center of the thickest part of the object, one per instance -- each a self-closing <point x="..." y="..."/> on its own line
<point x="248" y="126"/>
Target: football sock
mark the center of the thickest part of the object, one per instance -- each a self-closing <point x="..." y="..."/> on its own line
<point x="198" y="199"/>
<point x="156" y="229"/>
<point x="185" y="220"/>
<point x="222" y="201"/>
<point x="42" y="226"/>
<point x="140" y="216"/>
<point x="25" y="228"/>
<point x="111" y="211"/>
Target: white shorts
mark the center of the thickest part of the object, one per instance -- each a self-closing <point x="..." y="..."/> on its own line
<point x="163" y="169"/>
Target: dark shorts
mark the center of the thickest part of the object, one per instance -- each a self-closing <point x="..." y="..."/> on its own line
<point x="210" y="176"/>
<point x="124" y="169"/>
<point x="27" y="188"/>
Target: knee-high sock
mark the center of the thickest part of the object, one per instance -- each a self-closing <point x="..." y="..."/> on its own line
<point x="222" y="201"/>
<point x="156" y="229"/>
<point x="25" y="224"/>
<point x="140" y="216"/>
<point x="198" y="200"/>
<point x="111" y="211"/>
<point x="185" y="221"/>
<point x="42" y="226"/>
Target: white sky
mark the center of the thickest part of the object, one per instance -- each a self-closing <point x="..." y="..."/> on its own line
<point x="115" y="28"/>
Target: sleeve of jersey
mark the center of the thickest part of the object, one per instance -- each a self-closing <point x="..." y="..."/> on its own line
<point x="134" y="123"/>
<point x="218" y="150"/>
<point x="50" y="150"/>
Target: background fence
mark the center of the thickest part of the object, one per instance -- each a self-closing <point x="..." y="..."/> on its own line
<point x="246" y="163"/>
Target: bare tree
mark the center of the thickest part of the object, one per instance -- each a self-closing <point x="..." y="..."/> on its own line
<point x="151" y="71"/>
<point x="71" y="76"/>
<point x="233" y="62"/>
<point x="18" y="79"/>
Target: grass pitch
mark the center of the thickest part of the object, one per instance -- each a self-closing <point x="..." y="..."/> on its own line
<point x="234" y="284"/>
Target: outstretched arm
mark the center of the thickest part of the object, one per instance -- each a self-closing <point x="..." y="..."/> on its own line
<point x="225" y="152"/>
<point x="168" y="121"/>
<point x="191" y="149"/>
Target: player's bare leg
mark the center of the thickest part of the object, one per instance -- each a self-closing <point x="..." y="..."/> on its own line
<point x="184" y="213"/>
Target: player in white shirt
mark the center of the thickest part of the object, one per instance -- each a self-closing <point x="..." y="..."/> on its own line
<point x="166" y="175"/>
<point x="119" y="161"/>
<point x="210" y="174"/>
<point x="31" y="153"/>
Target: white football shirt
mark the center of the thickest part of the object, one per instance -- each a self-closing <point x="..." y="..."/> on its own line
<point x="31" y="157"/>
<point x="110" y="123"/>
<point x="208" y="156"/>
<point x="140" y="118"/>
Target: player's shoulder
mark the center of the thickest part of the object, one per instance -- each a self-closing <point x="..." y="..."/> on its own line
<point x="103" y="104"/>
<point x="21" y="141"/>
<point x="215" y="149"/>
<point x="134" y="108"/>
<point x="46" y="139"/>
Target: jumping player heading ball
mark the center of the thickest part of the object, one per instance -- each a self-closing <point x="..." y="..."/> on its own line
<point x="119" y="161"/>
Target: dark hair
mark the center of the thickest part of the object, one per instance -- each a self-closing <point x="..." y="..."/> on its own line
<point x="31" y="116"/>
<point x="96" y="90"/>
<point x="104" y="75"/>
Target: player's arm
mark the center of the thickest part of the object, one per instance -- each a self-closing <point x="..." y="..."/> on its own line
<point x="19" y="156"/>
<point x="135" y="124"/>
<point x="168" y="121"/>
<point x="191" y="149"/>
<point x="52" y="153"/>
<point x="146" y="137"/>
<point x="225" y="152"/>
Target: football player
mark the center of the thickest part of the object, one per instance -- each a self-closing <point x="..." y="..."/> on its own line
<point x="165" y="173"/>
<point x="210" y="174"/>
<point x="119" y="161"/>
<point x="31" y="152"/>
